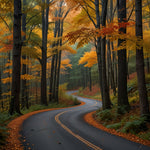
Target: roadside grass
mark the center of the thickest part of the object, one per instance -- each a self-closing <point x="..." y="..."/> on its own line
<point x="64" y="101"/>
<point x="129" y="122"/>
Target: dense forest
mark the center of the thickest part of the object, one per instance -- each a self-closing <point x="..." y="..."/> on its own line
<point x="46" y="45"/>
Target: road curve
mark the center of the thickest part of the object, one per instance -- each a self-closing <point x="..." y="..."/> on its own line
<point x="65" y="129"/>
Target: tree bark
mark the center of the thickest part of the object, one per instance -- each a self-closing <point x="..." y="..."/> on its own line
<point x="144" y="105"/>
<point x="24" y="97"/>
<point x="59" y="63"/>
<point x="16" y="68"/>
<point x="44" y="53"/>
<point x="51" y="89"/>
<point x="98" y="46"/>
<point x="106" y="99"/>
<point x="51" y="79"/>
<point x="110" y="67"/>
<point x="123" y="103"/>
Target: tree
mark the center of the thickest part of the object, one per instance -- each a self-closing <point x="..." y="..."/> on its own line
<point x="24" y="91"/>
<point x="98" y="45"/>
<point x="16" y="68"/>
<point x="45" y="13"/>
<point x="144" y="105"/>
<point x="56" y="59"/>
<point x="106" y="98"/>
<point x="122" y="62"/>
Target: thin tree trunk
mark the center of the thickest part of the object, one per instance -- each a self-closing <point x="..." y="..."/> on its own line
<point x="90" y="80"/>
<point x="144" y="105"/>
<point x="128" y="66"/>
<point x="16" y="68"/>
<point x="1" y="100"/>
<point x="51" y="79"/>
<point x="98" y="47"/>
<point x="44" y="55"/>
<point x="106" y="97"/>
<point x="59" y="62"/>
<point x="24" y="97"/>
<point x="55" y="76"/>
<point x="115" y="65"/>
<point x="113" y="86"/>
<point x="58" y="56"/>
<point x="51" y="89"/>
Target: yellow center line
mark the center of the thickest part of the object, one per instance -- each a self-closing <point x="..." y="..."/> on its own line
<point x="73" y="134"/>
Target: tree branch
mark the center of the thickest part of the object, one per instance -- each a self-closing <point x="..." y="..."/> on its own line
<point x="130" y="13"/>
<point x="89" y="15"/>
<point x="5" y="23"/>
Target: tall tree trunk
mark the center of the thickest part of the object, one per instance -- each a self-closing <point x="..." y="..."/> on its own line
<point x="122" y="62"/>
<point x="55" y="75"/>
<point x="44" y="54"/>
<point x="106" y="99"/>
<point x="51" y="79"/>
<point x="24" y="97"/>
<point x="144" y="105"/>
<point x="58" y="55"/>
<point x="59" y="62"/>
<point x="98" y="47"/>
<point x="115" y="65"/>
<point x="16" y="68"/>
<point x="110" y="67"/>
<point x="51" y="88"/>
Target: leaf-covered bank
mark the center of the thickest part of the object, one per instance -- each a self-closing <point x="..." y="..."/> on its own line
<point x="128" y="122"/>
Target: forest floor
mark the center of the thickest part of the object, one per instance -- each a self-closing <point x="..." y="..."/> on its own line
<point x="129" y="124"/>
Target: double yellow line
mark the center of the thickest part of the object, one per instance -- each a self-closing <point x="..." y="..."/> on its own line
<point x="73" y="134"/>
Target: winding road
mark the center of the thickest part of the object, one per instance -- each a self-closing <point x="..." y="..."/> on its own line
<point x="65" y="129"/>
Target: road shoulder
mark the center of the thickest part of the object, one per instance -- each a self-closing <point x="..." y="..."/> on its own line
<point x="90" y="120"/>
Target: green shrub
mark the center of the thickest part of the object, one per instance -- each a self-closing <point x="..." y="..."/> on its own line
<point x="145" y="136"/>
<point x="135" y="126"/>
<point x="105" y="115"/>
<point x="80" y="90"/>
<point x="76" y="101"/>
<point x="3" y="135"/>
<point x="123" y="109"/>
<point x="114" y="126"/>
<point x="4" y="119"/>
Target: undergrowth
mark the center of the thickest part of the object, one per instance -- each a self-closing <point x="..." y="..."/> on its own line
<point x="130" y="121"/>
<point x="5" y="118"/>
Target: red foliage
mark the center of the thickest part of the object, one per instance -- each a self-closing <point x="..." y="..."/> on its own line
<point x="132" y="76"/>
<point x="95" y="90"/>
<point x="113" y="27"/>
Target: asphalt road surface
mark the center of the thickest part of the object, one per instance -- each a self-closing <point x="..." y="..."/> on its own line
<point x="65" y="129"/>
